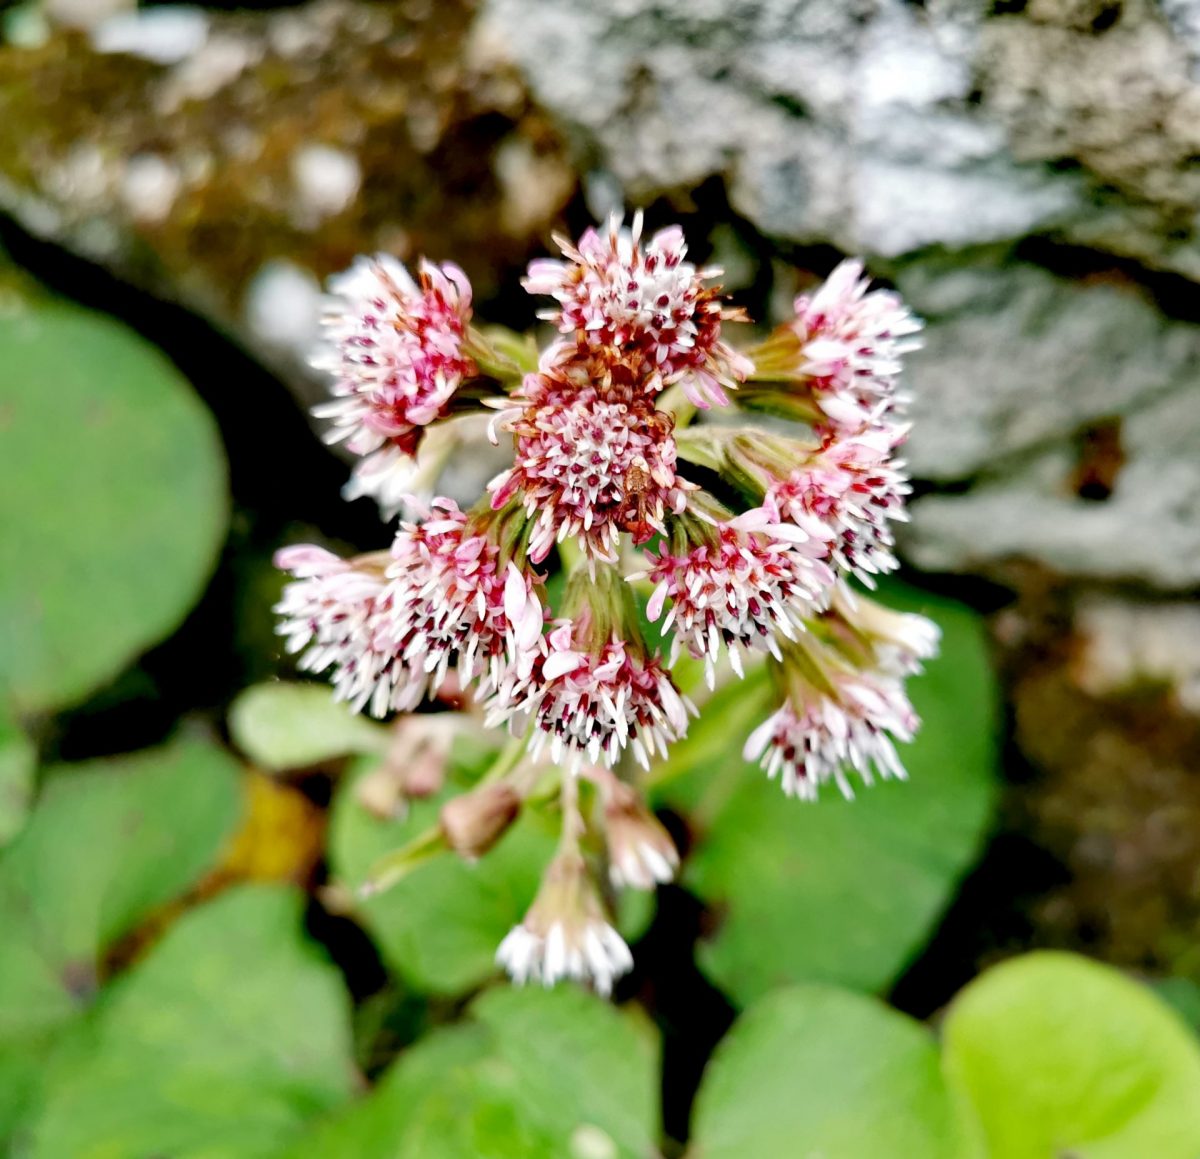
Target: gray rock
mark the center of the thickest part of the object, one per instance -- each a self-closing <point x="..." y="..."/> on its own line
<point x="885" y="126"/>
<point x="1017" y="363"/>
<point x="1015" y="358"/>
<point x="1148" y="530"/>
<point x="846" y="122"/>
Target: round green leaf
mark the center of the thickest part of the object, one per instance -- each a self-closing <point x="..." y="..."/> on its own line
<point x="839" y="891"/>
<point x="440" y="925"/>
<point x="539" y="1074"/>
<point x="108" y="842"/>
<point x="112" y="499"/>
<point x="289" y="726"/>
<point x="18" y="759"/>
<point x="1058" y="1056"/>
<point x="816" y="1071"/>
<point x="225" y="1041"/>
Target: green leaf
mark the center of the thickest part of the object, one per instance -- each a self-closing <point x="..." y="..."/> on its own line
<point x="18" y="759"/>
<point x="289" y="726"/>
<point x="440" y="925"/>
<point x="554" y="1074"/>
<point x="112" y="499"/>
<point x="224" y="1042"/>
<point x="1183" y="996"/>
<point x="816" y="1071"/>
<point x="108" y="842"/>
<point x="1058" y="1055"/>
<point x="838" y="891"/>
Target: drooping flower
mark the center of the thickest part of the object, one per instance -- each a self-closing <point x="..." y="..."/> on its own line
<point x="591" y="462"/>
<point x="641" y="853"/>
<point x="614" y="293"/>
<point x="565" y="933"/>
<point x="815" y="736"/>
<point x="397" y="350"/>
<point x="590" y="701"/>
<point x="851" y="344"/>
<point x="746" y="584"/>
<point x="876" y="637"/>
<point x="848" y="493"/>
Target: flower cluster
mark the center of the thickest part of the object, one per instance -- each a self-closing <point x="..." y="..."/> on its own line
<point x="609" y="503"/>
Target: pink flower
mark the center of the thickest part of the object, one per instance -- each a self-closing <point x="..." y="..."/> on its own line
<point x="813" y="738"/>
<point x="851" y="345"/>
<point x="452" y="603"/>
<point x="396" y="348"/>
<point x="591" y="462"/>
<point x="593" y="704"/>
<point x="748" y="584"/>
<point x="333" y="613"/>
<point x="614" y="293"/>
<point x="847" y="494"/>
<point x="897" y="641"/>
<point x="392" y="626"/>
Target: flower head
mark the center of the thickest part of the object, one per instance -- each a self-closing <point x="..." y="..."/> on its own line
<point x="851" y="343"/>
<point x="565" y="933"/>
<point x="812" y="738"/>
<point x="452" y="602"/>
<point x="641" y="853"/>
<point x="847" y="493"/>
<point x="743" y="586"/>
<point x="591" y="700"/>
<point x="397" y="349"/>
<point x="332" y="614"/>
<point x="875" y="637"/>
<point x="615" y="293"/>
<point x="591" y="462"/>
<point x="391" y="626"/>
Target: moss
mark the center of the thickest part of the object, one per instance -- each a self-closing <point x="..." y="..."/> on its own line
<point x="393" y="90"/>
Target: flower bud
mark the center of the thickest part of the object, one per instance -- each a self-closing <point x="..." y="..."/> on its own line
<point x="640" y="850"/>
<point x="474" y="822"/>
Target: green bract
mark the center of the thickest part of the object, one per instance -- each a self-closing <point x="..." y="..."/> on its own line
<point x="439" y="927"/>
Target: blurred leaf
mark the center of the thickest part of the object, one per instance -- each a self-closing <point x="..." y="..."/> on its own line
<point x="438" y="927"/>
<point x="108" y="842"/>
<point x="281" y="838"/>
<point x="539" y="1074"/>
<point x="838" y="891"/>
<point x="290" y="726"/>
<point x="18" y="760"/>
<point x="224" y="1042"/>
<point x="1060" y="1056"/>
<point x="1183" y="996"/>
<point x="816" y="1071"/>
<point x="112" y="499"/>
